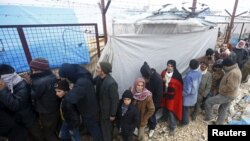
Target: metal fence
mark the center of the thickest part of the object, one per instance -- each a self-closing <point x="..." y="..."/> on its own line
<point x="59" y="43"/>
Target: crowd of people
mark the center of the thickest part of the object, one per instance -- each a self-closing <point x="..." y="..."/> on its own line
<point x="42" y="107"/>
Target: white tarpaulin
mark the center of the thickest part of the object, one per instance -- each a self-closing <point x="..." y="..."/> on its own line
<point x="128" y="52"/>
<point x="161" y="26"/>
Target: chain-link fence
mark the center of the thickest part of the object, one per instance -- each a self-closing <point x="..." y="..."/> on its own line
<point x="58" y="43"/>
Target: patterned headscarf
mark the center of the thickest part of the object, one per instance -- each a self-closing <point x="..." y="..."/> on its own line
<point x="142" y="95"/>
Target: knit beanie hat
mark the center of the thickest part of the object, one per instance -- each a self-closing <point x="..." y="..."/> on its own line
<point x="194" y="64"/>
<point x="40" y="64"/>
<point x="106" y="67"/>
<point x="127" y="94"/>
<point x="228" y="62"/>
<point x="146" y="71"/>
<point x="62" y="85"/>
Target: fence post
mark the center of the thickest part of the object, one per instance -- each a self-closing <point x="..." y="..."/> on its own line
<point x="97" y="41"/>
<point x="241" y="31"/>
<point x="24" y="43"/>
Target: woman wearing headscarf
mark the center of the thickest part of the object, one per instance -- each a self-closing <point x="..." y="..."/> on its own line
<point x="172" y="94"/>
<point x="144" y="104"/>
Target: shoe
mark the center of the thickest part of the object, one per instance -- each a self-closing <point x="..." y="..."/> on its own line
<point x="151" y="133"/>
<point x="193" y="117"/>
<point x="136" y="132"/>
<point x="183" y="124"/>
<point x="171" y="132"/>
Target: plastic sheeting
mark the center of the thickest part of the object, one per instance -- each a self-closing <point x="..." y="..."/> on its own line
<point x="148" y="26"/>
<point x="128" y="52"/>
<point x="20" y="15"/>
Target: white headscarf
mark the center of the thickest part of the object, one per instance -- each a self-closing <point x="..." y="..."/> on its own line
<point x="241" y="41"/>
<point x="11" y="80"/>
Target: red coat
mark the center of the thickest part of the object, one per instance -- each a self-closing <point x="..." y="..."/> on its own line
<point x="172" y="97"/>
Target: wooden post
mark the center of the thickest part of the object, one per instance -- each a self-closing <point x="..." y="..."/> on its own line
<point x="231" y="22"/>
<point x="104" y="23"/>
<point x="241" y="31"/>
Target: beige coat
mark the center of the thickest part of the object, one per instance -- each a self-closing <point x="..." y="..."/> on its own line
<point x="230" y="82"/>
<point x="146" y="109"/>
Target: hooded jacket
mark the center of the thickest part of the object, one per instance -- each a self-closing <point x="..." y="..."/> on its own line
<point x="83" y="92"/>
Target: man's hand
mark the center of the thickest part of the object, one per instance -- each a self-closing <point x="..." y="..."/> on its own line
<point x="2" y="84"/>
<point x="111" y="118"/>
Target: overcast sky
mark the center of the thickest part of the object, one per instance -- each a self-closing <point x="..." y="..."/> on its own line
<point x="243" y="5"/>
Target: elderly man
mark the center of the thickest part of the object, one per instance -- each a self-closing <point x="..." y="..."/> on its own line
<point x="108" y="98"/>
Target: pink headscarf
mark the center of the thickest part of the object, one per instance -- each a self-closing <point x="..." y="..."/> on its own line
<point x="142" y="95"/>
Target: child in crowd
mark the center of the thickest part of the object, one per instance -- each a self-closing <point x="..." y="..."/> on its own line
<point x="69" y="114"/>
<point x="127" y="116"/>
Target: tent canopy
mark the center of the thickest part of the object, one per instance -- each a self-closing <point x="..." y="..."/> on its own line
<point x="128" y="52"/>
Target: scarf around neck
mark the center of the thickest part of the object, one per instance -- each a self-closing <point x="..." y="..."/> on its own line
<point x="11" y="80"/>
<point x="168" y="77"/>
<point x="142" y="95"/>
<point x="124" y="109"/>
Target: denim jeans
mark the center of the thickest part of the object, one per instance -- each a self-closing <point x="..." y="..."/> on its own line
<point x="224" y="102"/>
<point x="185" y="115"/>
<point x="152" y="122"/>
<point x="66" y="133"/>
<point x="171" y="119"/>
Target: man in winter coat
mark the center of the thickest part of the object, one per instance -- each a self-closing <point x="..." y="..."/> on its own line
<point x="228" y="91"/>
<point x="17" y="116"/>
<point x="46" y="102"/>
<point x="108" y="98"/>
<point x="154" y="85"/>
<point x="83" y="96"/>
